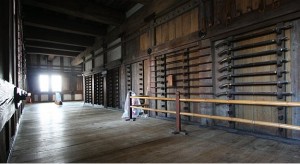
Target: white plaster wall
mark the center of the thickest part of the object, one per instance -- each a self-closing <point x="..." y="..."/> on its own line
<point x="99" y="61"/>
<point x="78" y="96"/>
<point x="67" y="97"/>
<point x="114" y="54"/>
<point x="44" y="97"/>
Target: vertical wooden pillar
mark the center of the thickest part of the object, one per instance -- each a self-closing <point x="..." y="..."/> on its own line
<point x="7" y="128"/>
<point x="83" y="80"/>
<point x="73" y="84"/>
<point x="178" y="118"/>
<point x="130" y="103"/>
<point x="93" y="89"/>
<point x="93" y="78"/>
<point x="2" y="146"/>
<point x="104" y="91"/>
<point x="4" y="40"/>
<point x="295" y="74"/>
<point x="105" y="99"/>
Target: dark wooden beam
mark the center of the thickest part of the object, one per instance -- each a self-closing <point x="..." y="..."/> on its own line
<point x="54" y="41"/>
<point x="39" y="51"/>
<point x="47" y="48"/>
<point x="144" y="2"/>
<point x="56" y="22"/>
<point x="53" y="46"/>
<point x="38" y="34"/>
<point x="51" y="57"/>
<point x="81" y="9"/>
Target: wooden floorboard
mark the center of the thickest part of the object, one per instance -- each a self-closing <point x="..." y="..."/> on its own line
<point x="75" y="132"/>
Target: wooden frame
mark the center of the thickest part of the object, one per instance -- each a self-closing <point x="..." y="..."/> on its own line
<point x="218" y="101"/>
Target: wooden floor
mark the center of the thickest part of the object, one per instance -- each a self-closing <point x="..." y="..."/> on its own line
<point x="77" y="133"/>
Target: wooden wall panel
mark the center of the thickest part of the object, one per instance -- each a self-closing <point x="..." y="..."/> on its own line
<point x="79" y="84"/>
<point x="269" y="114"/>
<point x="146" y="77"/>
<point x="253" y="112"/>
<point x="123" y="85"/>
<point x="194" y="20"/>
<point x="66" y="83"/>
<point x="219" y="8"/>
<point x="205" y="84"/>
<point x="178" y="27"/>
<point x="134" y="71"/>
<point x="144" y="41"/>
<point x="158" y="35"/>
<point x="295" y="74"/>
<point x="186" y="23"/>
<point x="112" y="87"/>
<point x="172" y="29"/>
<point x="132" y="49"/>
<point x="290" y="116"/>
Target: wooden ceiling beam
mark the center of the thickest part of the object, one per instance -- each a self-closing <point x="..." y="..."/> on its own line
<point x="51" y="57"/>
<point x="40" y="51"/>
<point x="80" y="29"/>
<point x="46" y="45"/>
<point x="51" y="48"/>
<point x="54" y="41"/>
<point x="51" y="36"/>
<point x="88" y="11"/>
<point x="144" y="2"/>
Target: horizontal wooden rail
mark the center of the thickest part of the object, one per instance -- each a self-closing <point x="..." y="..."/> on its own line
<point x="154" y="98"/>
<point x="245" y="102"/>
<point x="218" y="101"/>
<point x="263" y="123"/>
<point x="155" y="110"/>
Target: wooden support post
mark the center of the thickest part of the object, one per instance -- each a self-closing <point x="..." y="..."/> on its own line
<point x="3" y="153"/>
<point x="295" y="64"/>
<point x="130" y="109"/>
<point x="104" y="91"/>
<point x="178" y="118"/>
<point x="7" y="137"/>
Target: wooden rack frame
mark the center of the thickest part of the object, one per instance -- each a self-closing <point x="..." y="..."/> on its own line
<point x="178" y="112"/>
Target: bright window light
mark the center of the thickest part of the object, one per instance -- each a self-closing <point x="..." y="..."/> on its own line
<point x="56" y="83"/>
<point x="44" y="83"/>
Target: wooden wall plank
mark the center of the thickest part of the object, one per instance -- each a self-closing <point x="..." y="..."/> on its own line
<point x="144" y="41"/>
<point x="3" y="143"/>
<point x="255" y="4"/>
<point x="194" y="20"/>
<point x="158" y="35"/>
<point x="295" y="74"/>
<point x="172" y="29"/>
<point x="179" y="29"/>
<point x="164" y="32"/>
<point x="186" y="23"/>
